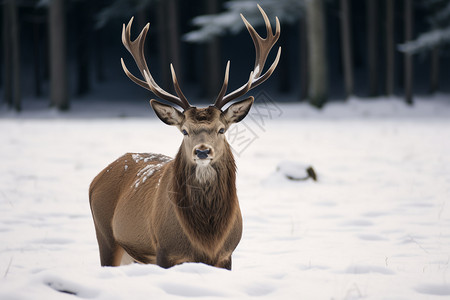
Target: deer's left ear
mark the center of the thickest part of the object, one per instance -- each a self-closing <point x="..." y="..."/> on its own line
<point x="237" y="111"/>
<point x="166" y="113"/>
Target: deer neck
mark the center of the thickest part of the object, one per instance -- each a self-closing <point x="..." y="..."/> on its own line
<point x="205" y="199"/>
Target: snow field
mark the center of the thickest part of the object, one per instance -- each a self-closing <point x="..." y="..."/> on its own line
<point x="376" y="225"/>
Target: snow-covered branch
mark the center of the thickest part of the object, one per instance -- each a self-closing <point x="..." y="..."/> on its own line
<point x="229" y="21"/>
<point x="426" y="40"/>
<point x="120" y="9"/>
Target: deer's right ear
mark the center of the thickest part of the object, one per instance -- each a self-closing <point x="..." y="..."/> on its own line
<point x="166" y="113"/>
<point x="237" y="111"/>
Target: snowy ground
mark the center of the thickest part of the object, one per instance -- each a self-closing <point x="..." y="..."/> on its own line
<point x="375" y="226"/>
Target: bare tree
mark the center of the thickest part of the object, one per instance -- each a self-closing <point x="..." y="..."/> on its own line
<point x="7" y="55"/>
<point x="372" y="46"/>
<point x="37" y="22"/>
<point x="168" y="39"/>
<point x="11" y="54"/>
<point x="163" y="44"/>
<point x="58" y="64"/>
<point x="408" y="65"/>
<point x="317" y="61"/>
<point x="434" y="70"/>
<point x="284" y="66"/>
<point x="304" y="81"/>
<point x="212" y="66"/>
<point x="99" y="53"/>
<point x="15" y="49"/>
<point x="346" y="46"/>
<point x="174" y="34"/>
<point x="83" y="46"/>
<point x="390" y="69"/>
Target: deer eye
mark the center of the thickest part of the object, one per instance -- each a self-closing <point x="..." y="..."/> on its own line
<point x="184" y="132"/>
<point x="221" y="130"/>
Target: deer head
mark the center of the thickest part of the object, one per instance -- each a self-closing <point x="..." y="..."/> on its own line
<point x="203" y="128"/>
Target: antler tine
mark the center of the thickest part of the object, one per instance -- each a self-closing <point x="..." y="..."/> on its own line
<point x="262" y="49"/>
<point x="177" y="87"/>
<point x="223" y="90"/>
<point x="269" y="71"/>
<point x="262" y="46"/>
<point x="136" y="48"/>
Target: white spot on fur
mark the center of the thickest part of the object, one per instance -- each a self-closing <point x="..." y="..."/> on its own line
<point x="158" y="160"/>
<point x="146" y="172"/>
<point x="146" y="157"/>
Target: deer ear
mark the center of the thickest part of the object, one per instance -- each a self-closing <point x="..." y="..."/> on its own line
<point x="166" y="113"/>
<point x="237" y="111"/>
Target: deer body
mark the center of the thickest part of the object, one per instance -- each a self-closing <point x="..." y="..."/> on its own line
<point x="149" y="208"/>
<point x="162" y="214"/>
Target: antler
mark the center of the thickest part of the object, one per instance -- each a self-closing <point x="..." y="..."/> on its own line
<point x="136" y="48"/>
<point x="262" y="48"/>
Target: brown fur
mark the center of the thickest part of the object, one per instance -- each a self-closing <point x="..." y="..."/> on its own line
<point x="156" y="209"/>
<point x="205" y="210"/>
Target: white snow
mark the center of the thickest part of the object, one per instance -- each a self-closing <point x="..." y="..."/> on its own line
<point x="293" y="170"/>
<point x="375" y="226"/>
<point x="427" y="40"/>
<point x="146" y="172"/>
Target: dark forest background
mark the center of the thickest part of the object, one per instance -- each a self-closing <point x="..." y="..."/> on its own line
<point x="57" y="51"/>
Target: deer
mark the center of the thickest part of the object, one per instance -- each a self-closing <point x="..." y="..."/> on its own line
<point x="153" y="209"/>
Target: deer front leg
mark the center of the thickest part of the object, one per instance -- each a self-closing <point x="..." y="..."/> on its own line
<point x="225" y="264"/>
<point x="162" y="259"/>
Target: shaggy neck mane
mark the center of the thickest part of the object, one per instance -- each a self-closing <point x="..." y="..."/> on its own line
<point x="205" y="206"/>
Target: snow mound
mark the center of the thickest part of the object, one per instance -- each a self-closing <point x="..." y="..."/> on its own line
<point x="296" y="171"/>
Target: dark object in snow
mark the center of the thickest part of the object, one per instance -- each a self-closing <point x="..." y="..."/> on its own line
<point x="56" y="287"/>
<point x="312" y="173"/>
<point x="296" y="171"/>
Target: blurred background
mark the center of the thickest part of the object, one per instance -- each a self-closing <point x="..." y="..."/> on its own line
<point x="56" y="53"/>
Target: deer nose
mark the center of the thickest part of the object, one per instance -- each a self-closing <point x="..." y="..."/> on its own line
<point x="202" y="154"/>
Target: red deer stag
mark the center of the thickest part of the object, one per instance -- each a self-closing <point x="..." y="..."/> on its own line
<point x="150" y="208"/>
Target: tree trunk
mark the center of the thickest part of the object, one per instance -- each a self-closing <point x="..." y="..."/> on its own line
<point x="83" y="46"/>
<point x="98" y="49"/>
<point x="58" y="64"/>
<point x="12" y="55"/>
<point x="163" y="45"/>
<point x="169" y="47"/>
<point x="212" y="76"/>
<point x="174" y="37"/>
<point x="390" y="65"/>
<point x="7" y="55"/>
<point x="46" y="49"/>
<point x="37" y="57"/>
<point x="317" y="61"/>
<point x="408" y="66"/>
<point x="346" y="44"/>
<point x="99" y="53"/>
<point x="372" y="46"/>
<point x="284" y="70"/>
<point x="434" y="70"/>
<point x="15" y="41"/>
<point x="303" y="60"/>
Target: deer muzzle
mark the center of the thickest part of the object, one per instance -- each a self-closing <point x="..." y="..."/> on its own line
<point x="202" y="154"/>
